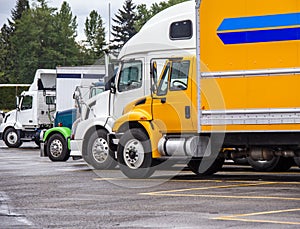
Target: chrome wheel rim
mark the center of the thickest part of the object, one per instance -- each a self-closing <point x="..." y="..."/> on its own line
<point x="134" y="154"/>
<point x="100" y="150"/>
<point x="12" y="138"/>
<point x="56" y="148"/>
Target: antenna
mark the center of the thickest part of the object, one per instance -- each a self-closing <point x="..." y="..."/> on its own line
<point x="109" y="22"/>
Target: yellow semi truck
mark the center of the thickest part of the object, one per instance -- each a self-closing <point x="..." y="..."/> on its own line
<point x="238" y="97"/>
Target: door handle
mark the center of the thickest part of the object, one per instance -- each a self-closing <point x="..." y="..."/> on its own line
<point x="30" y="121"/>
<point x="163" y="100"/>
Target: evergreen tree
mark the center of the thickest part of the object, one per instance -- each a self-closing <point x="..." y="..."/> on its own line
<point x="44" y="38"/>
<point x="65" y="26"/>
<point x="16" y="14"/>
<point x="34" y="32"/>
<point x="95" y="33"/>
<point x="144" y="14"/>
<point x="7" y="53"/>
<point x="125" y="20"/>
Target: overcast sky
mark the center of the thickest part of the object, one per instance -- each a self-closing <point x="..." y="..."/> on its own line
<point x="80" y="8"/>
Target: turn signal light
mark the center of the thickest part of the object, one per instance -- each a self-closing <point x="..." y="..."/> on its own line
<point x="143" y="118"/>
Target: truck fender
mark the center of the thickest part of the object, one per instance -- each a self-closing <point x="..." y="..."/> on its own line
<point x="150" y="129"/>
<point x="134" y="116"/>
<point x="64" y="131"/>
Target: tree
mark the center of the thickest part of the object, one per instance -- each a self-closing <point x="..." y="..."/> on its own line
<point x="144" y="14"/>
<point x="95" y="33"/>
<point x="44" y="38"/>
<point x="16" y="14"/>
<point x="125" y="20"/>
<point x="7" y="53"/>
<point x="65" y="26"/>
<point x="34" y="32"/>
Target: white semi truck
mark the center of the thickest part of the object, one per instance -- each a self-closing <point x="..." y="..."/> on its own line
<point x="176" y="37"/>
<point x="33" y="111"/>
<point x="51" y="91"/>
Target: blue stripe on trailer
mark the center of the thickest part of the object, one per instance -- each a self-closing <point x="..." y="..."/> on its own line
<point x="258" y="22"/>
<point x="255" y="29"/>
<point x="93" y="76"/>
<point x="66" y="76"/>
<point x="257" y="36"/>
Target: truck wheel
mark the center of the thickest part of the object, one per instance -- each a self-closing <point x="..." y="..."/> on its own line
<point x="241" y="161"/>
<point x="205" y="167"/>
<point x="297" y="161"/>
<point x="277" y="163"/>
<point x="37" y="142"/>
<point x="98" y="154"/>
<point x="12" y="138"/>
<point x="57" y="148"/>
<point x="134" y="154"/>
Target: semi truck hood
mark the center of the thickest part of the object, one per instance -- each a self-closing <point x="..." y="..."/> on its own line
<point x="10" y="116"/>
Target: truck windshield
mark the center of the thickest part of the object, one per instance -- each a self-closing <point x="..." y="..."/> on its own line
<point x="130" y="76"/>
<point x="26" y="103"/>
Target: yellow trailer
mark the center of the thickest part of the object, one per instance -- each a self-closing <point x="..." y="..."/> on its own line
<point x="237" y="98"/>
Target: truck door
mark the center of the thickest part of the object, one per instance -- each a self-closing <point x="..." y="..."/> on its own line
<point x="172" y="104"/>
<point x="26" y="111"/>
<point x="129" y="85"/>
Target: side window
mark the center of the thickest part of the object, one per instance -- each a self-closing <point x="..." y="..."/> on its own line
<point x="26" y="103"/>
<point x="50" y="100"/>
<point x="181" y="30"/>
<point x="131" y="76"/>
<point x="163" y="84"/>
<point x="179" y="76"/>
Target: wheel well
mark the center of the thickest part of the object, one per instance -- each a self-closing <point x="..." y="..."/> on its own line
<point x="86" y="137"/>
<point x="52" y="133"/>
<point x="8" y="127"/>
<point x="130" y="125"/>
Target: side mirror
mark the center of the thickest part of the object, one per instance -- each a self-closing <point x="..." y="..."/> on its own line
<point x="40" y="85"/>
<point x="76" y="95"/>
<point x="17" y="103"/>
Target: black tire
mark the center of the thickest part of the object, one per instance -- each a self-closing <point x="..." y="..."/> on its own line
<point x="277" y="163"/>
<point x="206" y="166"/>
<point x="135" y="155"/>
<point x="57" y="148"/>
<point x="241" y="161"/>
<point x="98" y="154"/>
<point x="12" y="138"/>
<point x="297" y="161"/>
<point x="37" y="142"/>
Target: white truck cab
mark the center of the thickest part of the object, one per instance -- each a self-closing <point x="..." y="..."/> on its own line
<point x="132" y="81"/>
<point x="33" y="112"/>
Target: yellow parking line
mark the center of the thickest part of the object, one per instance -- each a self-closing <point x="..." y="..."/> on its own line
<point x="108" y="178"/>
<point x="211" y="187"/>
<point x="155" y="179"/>
<point x="221" y="196"/>
<point x="176" y="192"/>
<point x="237" y="217"/>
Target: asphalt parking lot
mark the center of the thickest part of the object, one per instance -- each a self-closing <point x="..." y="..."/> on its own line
<point x="37" y="193"/>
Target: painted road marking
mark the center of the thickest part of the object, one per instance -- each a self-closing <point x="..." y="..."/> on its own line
<point x="241" y="217"/>
<point x="178" y="192"/>
<point x="160" y="179"/>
